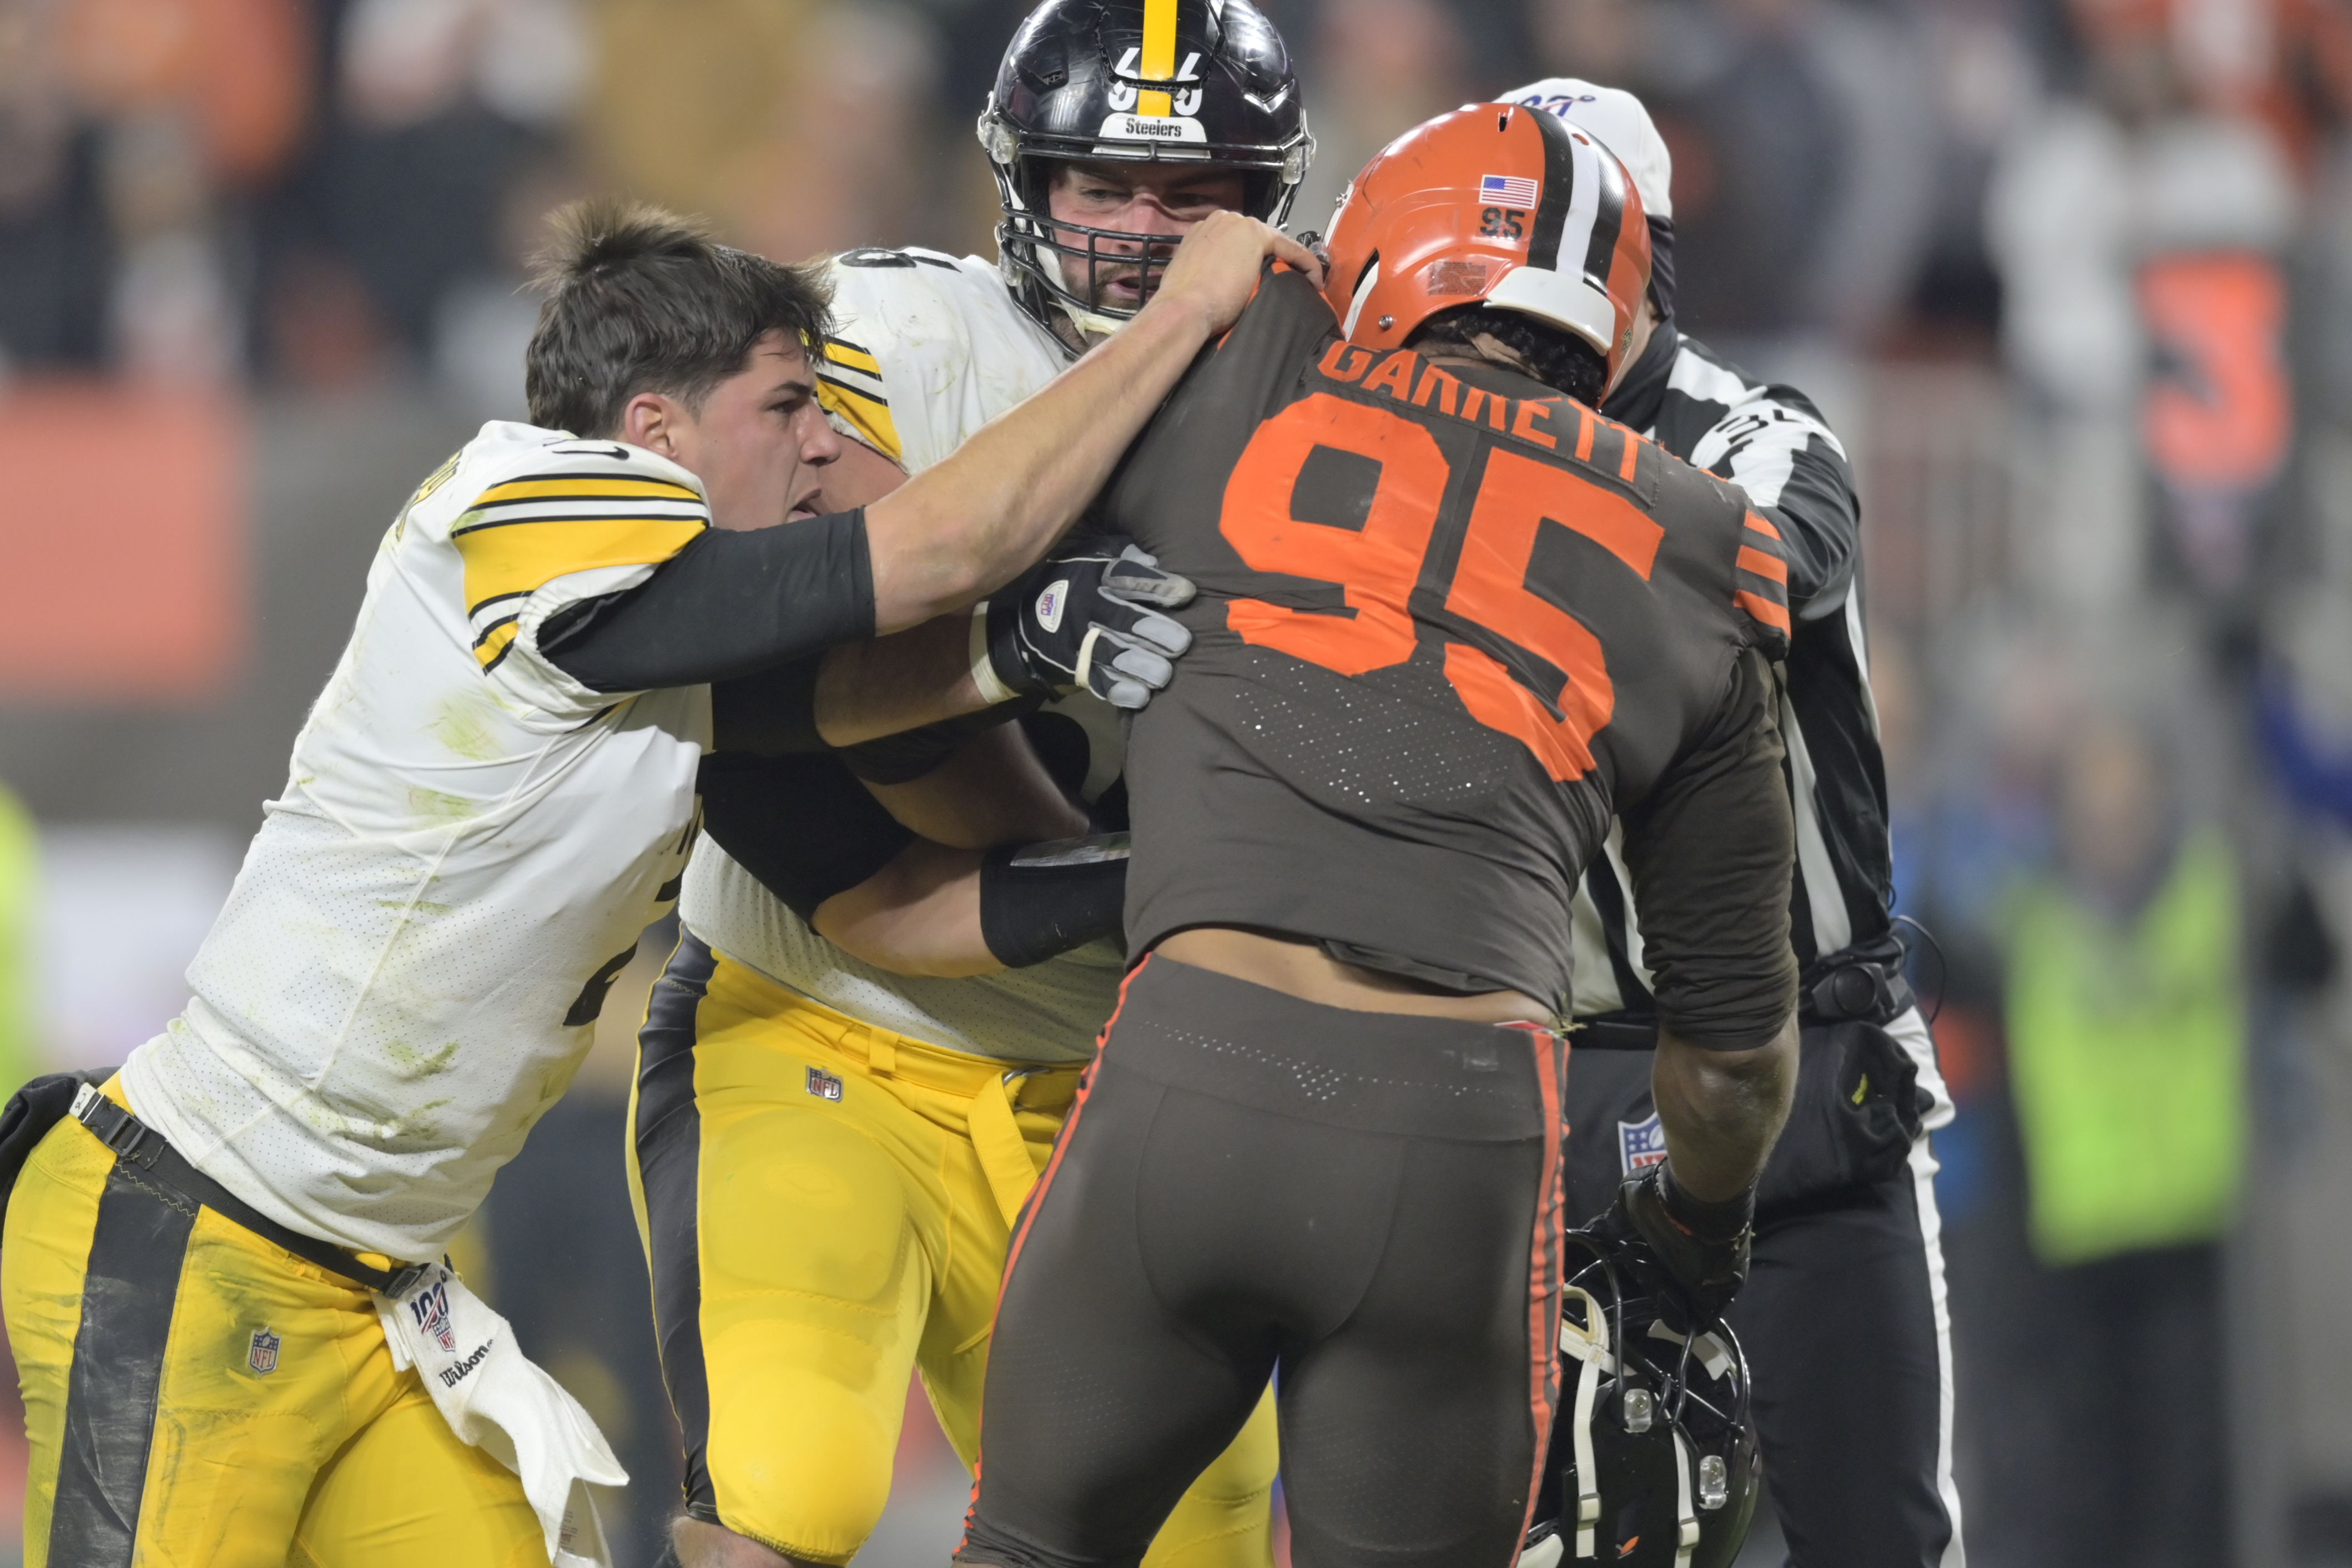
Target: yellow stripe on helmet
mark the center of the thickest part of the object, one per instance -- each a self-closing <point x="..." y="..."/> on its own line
<point x="1159" y="56"/>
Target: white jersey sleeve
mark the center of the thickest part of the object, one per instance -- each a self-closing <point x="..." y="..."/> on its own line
<point x="536" y="526"/>
<point x="408" y="967"/>
<point x="924" y="350"/>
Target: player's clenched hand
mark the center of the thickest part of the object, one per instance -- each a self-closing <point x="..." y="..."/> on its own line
<point x="1086" y="616"/>
<point x="1215" y="270"/>
<point x="1705" y="1267"/>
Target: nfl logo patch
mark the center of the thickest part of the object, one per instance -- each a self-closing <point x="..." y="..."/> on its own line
<point x="1641" y="1144"/>
<point x="823" y="1084"/>
<point x="430" y="1307"/>
<point x="261" y="1354"/>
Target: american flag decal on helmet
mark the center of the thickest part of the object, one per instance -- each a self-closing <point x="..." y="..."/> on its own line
<point x="1507" y="191"/>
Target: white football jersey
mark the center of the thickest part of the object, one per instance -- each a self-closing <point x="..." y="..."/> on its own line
<point x="926" y="350"/>
<point x="408" y="967"/>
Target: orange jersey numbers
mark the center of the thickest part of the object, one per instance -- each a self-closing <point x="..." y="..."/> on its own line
<point x="1490" y="590"/>
<point x="1375" y="567"/>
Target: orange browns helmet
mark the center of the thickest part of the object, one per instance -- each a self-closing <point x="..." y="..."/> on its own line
<point x="1493" y="204"/>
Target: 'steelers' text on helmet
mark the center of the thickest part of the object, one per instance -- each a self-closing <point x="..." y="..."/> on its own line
<point x="1493" y="204"/>
<point x="1161" y="81"/>
<point x="1654" y="1460"/>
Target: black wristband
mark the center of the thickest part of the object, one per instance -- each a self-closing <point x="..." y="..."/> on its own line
<point x="1719" y="1221"/>
<point x="1038" y="901"/>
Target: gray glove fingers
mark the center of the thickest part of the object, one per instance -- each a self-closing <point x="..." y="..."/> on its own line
<point x="1157" y="634"/>
<point x="1143" y="665"/>
<point x="1135" y="575"/>
<point x="1122" y="673"/>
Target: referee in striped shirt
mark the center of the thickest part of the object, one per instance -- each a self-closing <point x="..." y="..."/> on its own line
<point x="1843" y="1316"/>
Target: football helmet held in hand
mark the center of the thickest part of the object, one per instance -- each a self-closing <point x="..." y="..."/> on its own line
<point x="1654" y="1461"/>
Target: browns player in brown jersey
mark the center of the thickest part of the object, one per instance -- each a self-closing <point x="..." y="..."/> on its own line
<point x="1450" y="625"/>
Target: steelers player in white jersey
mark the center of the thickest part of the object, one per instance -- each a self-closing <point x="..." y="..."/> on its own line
<point x="829" y="1149"/>
<point x="234" y="1348"/>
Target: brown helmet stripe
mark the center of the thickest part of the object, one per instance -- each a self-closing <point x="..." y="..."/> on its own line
<point x="1559" y="190"/>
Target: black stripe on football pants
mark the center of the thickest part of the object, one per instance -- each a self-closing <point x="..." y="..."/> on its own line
<point x="129" y="1289"/>
<point x="668" y="1135"/>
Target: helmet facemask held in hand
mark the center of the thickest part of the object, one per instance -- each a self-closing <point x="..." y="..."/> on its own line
<point x="1499" y="206"/>
<point x="1164" y="83"/>
<point x="1653" y="1459"/>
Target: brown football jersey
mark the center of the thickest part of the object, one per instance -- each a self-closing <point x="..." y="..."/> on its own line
<point x="1450" y="622"/>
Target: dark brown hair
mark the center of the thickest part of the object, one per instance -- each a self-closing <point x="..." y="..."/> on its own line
<point x="639" y="300"/>
<point x="1553" y="355"/>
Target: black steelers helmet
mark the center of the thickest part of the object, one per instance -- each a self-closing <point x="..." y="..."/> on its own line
<point x="1654" y="1460"/>
<point x="1168" y="81"/>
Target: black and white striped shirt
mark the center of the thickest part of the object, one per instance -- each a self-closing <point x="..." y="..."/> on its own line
<point x="1773" y="443"/>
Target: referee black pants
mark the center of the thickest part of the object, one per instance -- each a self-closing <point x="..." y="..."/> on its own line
<point x="1364" y="1206"/>
<point x="1845" y="1329"/>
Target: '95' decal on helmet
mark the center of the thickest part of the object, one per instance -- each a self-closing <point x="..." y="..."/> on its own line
<point x="1641" y="1144"/>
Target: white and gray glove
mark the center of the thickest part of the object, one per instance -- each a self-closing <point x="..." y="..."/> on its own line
<point x="1087" y="616"/>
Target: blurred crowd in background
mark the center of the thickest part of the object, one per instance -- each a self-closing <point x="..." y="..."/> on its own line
<point x="2072" y="279"/>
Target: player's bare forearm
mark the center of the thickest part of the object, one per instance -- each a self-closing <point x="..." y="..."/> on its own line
<point x="993" y="508"/>
<point x="866" y="690"/>
<point x="991" y="791"/>
<point x="920" y="914"/>
<point x="1722" y="1110"/>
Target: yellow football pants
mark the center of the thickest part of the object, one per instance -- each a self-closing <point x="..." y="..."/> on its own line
<point x="197" y="1396"/>
<point x="827" y="1207"/>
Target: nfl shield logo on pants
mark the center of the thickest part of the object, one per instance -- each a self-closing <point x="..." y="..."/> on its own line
<point x="1641" y="1144"/>
<point x="261" y="1354"/>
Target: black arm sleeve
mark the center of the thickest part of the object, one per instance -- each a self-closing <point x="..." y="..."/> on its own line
<point x="1711" y="850"/>
<point x="802" y="825"/>
<point x="732" y="603"/>
<point x="771" y="712"/>
<point x="1037" y="901"/>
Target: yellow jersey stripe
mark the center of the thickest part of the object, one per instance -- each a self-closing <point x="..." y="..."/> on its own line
<point x="1159" y="49"/>
<point x="522" y="556"/>
<point x="587" y="487"/>
<point x="842" y="354"/>
<point x="869" y="418"/>
<point x="493" y="648"/>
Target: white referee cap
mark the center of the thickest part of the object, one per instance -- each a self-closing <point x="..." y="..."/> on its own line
<point x="1624" y="126"/>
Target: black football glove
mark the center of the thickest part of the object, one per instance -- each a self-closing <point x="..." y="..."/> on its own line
<point x="1087" y="616"/>
<point x="1700" y="1247"/>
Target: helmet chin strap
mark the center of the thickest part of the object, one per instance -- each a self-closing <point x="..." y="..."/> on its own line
<point x="1589" y="1346"/>
<point x="1686" y="1516"/>
<point x="1091" y="325"/>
